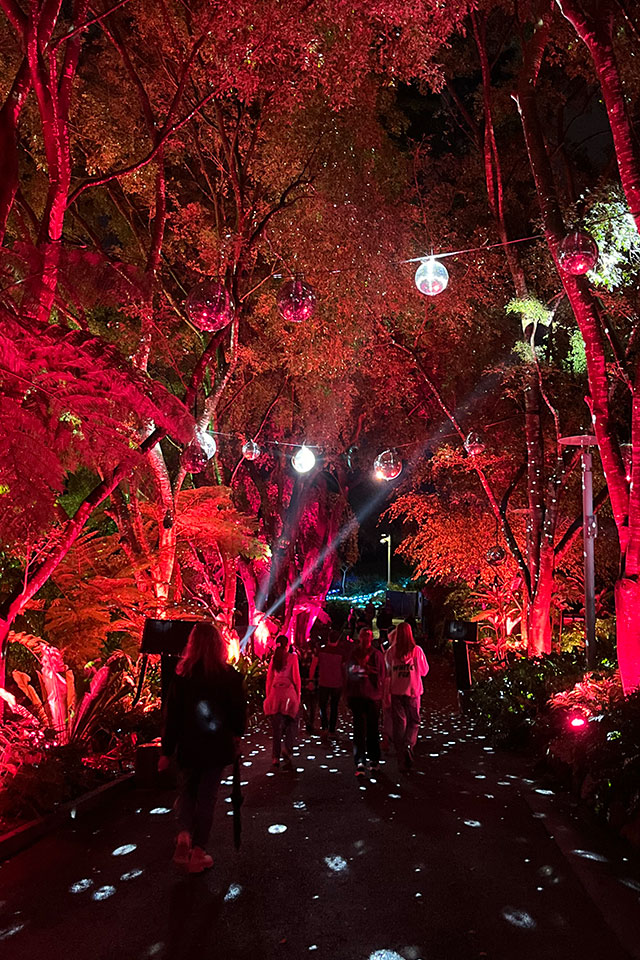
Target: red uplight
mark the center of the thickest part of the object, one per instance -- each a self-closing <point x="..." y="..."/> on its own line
<point x="578" y="721"/>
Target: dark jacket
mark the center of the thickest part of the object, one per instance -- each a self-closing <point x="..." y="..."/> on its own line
<point x="365" y="671"/>
<point x="203" y="716"/>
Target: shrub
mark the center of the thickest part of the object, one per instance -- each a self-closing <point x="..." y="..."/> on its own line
<point x="508" y="696"/>
<point x="254" y="671"/>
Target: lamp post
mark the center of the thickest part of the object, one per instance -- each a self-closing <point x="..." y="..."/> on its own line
<point x="589" y="534"/>
<point x="387" y="539"/>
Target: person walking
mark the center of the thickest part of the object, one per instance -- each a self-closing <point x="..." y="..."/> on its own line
<point x="309" y="687"/>
<point x="282" y="701"/>
<point x="384" y="622"/>
<point x="365" y="672"/>
<point x="205" y="715"/>
<point x="328" y="664"/>
<point x="406" y="666"/>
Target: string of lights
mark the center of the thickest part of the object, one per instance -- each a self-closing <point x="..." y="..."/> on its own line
<point x="210" y="309"/>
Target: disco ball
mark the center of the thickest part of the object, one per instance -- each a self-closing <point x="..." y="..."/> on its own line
<point x="496" y="555"/>
<point x="303" y="459"/>
<point x="251" y="450"/>
<point x="297" y="301"/>
<point x="431" y="277"/>
<point x="578" y="253"/>
<point x="387" y="466"/>
<point x="209" y="306"/>
<point x="196" y="456"/>
<point x="474" y="444"/>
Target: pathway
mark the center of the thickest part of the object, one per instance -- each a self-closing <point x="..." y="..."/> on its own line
<point x="469" y="857"/>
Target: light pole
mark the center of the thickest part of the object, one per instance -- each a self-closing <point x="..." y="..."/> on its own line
<point x="589" y="534"/>
<point x="387" y="539"/>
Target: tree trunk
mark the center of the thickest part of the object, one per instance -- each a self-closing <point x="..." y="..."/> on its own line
<point x="539" y="610"/>
<point x="596" y="34"/>
<point x="9" y="115"/>
<point x="627" y="599"/>
<point x="581" y="300"/>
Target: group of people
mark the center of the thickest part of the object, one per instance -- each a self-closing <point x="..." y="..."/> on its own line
<point x="206" y="711"/>
<point x="376" y="685"/>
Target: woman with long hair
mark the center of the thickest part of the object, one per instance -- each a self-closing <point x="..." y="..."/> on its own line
<point x="205" y="714"/>
<point x="406" y="666"/>
<point x="282" y="701"/>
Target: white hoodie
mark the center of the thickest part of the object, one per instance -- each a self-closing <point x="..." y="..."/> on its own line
<point x="405" y="676"/>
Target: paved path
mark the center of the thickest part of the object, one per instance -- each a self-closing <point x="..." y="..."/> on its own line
<point x="464" y="859"/>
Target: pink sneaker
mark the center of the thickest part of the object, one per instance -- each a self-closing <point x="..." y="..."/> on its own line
<point x="183" y="848"/>
<point x="200" y="861"/>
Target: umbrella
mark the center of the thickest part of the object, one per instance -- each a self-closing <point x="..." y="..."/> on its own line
<point x="236" y="802"/>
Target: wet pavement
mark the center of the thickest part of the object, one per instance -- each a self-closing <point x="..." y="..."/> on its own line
<point x="468" y="857"/>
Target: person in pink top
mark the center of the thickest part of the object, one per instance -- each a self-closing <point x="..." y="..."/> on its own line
<point x="406" y="666"/>
<point x="282" y="702"/>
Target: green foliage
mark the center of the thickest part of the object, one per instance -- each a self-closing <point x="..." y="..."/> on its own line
<point x="254" y="671"/>
<point x="507" y="697"/>
<point x="38" y="787"/>
<point x="614" y="229"/>
<point x="56" y="707"/>
<point x="21" y="742"/>
<point x="531" y="311"/>
<point x="602" y="761"/>
<point x="576" y="359"/>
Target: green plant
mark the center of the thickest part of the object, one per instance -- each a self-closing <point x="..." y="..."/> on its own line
<point x="254" y="671"/>
<point x="57" y="707"/>
<point x="594" y="695"/>
<point x="509" y="695"/>
<point x="499" y="615"/>
<point x="40" y="785"/>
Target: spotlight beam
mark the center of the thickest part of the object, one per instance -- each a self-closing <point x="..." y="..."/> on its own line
<point x="437" y="434"/>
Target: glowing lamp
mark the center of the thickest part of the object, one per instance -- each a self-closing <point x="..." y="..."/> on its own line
<point x="261" y="637"/>
<point x="209" y="306"/>
<point x="431" y="277"/>
<point x="297" y="301"/>
<point x="474" y="444"/>
<point x="578" y="253"/>
<point x="303" y="459"/>
<point x="496" y="555"/>
<point x="251" y="450"/>
<point x="387" y="466"/>
<point x="578" y="722"/>
<point x="196" y="456"/>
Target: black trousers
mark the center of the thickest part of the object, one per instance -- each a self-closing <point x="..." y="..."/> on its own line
<point x="366" y="735"/>
<point x="198" y="789"/>
<point x="329" y="697"/>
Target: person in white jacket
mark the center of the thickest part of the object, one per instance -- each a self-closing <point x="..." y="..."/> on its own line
<point x="406" y="666"/>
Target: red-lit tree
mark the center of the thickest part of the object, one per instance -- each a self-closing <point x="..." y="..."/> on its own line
<point x="91" y="159"/>
<point x="608" y="383"/>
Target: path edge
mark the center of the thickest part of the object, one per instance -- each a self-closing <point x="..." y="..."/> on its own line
<point x="18" y="839"/>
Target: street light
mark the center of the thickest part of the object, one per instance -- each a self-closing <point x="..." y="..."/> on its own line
<point x="589" y="534"/>
<point x="387" y="539"/>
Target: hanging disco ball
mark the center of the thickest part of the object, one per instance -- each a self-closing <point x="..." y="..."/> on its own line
<point x="251" y="450"/>
<point x="578" y="253"/>
<point x="196" y="456"/>
<point x="387" y="466"/>
<point x="431" y="277"/>
<point x="296" y="301"/>
<point x="209" y="306"/>
<point x="496" y="555"/>
<point x="303" y="460"/>
<point x="474" y="444"/>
